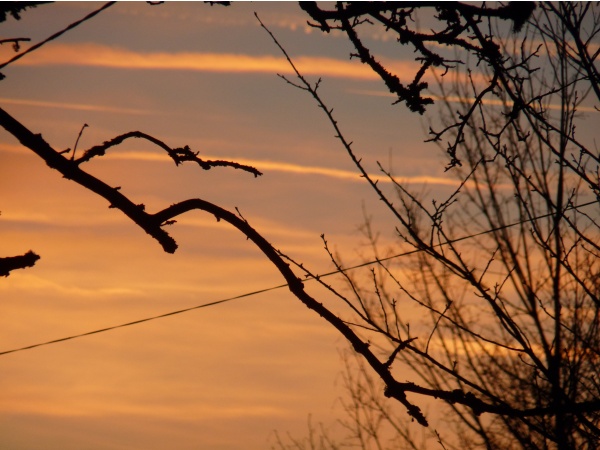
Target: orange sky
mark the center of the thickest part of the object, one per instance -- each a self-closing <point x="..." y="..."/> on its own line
<point x="222" y="377"/>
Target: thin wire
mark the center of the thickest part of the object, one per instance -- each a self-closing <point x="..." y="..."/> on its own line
<point x="147" y="319"/>
<point x="272" y="288"/>
<point x="452" y="241"/>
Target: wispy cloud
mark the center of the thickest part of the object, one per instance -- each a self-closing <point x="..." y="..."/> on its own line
<point x="278" y="166"/>
<point x="275" y="166"/>
<point x="105" y="56"/>
<point x="73" y="106"/>
<point x="468" y="100"/>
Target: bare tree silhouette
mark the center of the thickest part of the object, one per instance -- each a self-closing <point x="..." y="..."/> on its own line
<point x="513" y="307"/>
<point x="506" y="267"/>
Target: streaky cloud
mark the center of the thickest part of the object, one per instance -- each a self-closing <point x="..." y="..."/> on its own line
<point x="88" y="54"/>
<point x="72" y="106"/>
<point x="468" y="100"/>
<point x="278" y="166"/>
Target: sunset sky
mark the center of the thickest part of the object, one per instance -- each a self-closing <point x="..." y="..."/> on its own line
<point x="225" y="376"/>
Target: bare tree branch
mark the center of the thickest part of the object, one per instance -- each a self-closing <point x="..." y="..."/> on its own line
<point x="9" y="263"/>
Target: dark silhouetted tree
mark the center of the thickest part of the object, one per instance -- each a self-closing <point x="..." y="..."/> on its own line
<point x="506" y="268"/>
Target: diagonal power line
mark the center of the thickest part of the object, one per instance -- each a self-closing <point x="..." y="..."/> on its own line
<point x="147" y="319"/>
<point x="272" y="288"/>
